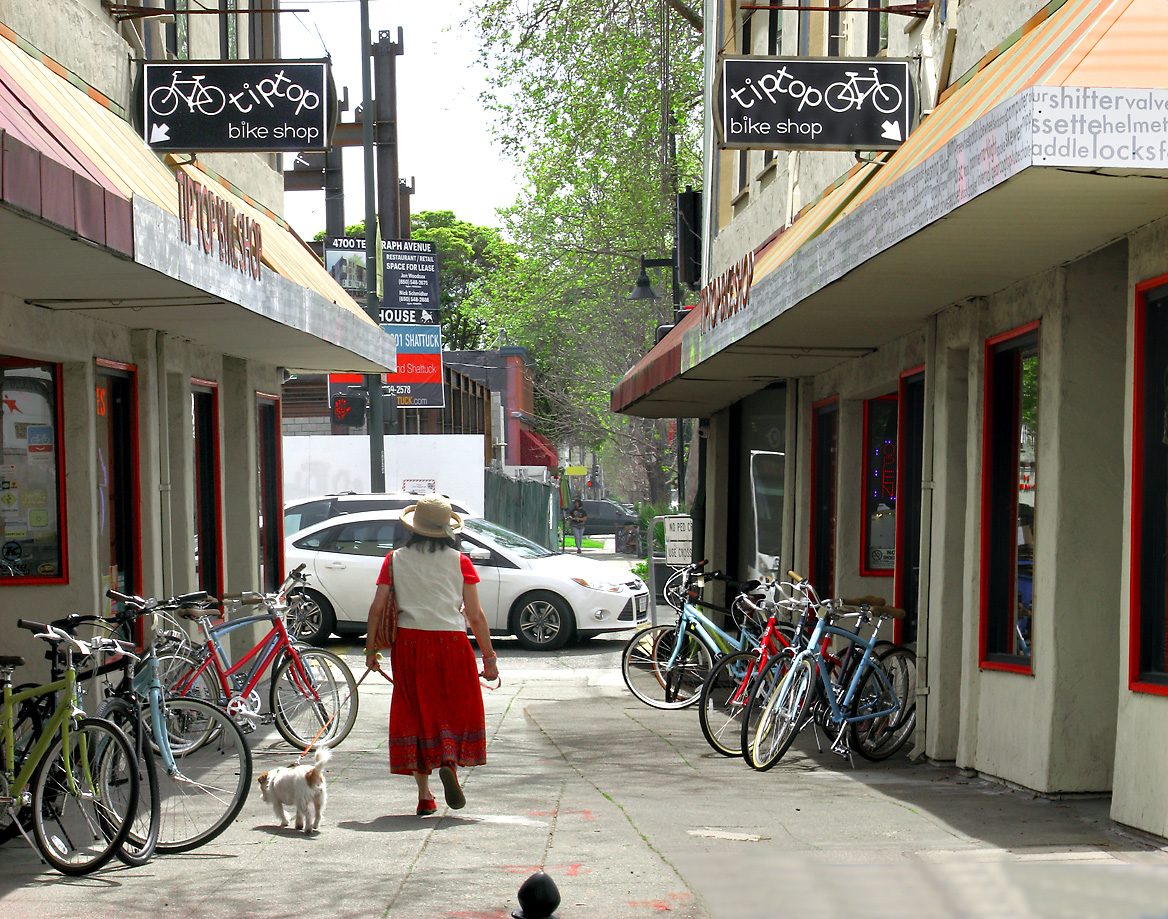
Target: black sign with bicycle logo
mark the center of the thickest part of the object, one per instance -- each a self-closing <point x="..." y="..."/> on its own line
<point x="773" y="103"/>
<point x="236" y="106"/>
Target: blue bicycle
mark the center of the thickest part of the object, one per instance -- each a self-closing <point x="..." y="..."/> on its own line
<point x="868" y="704"/>
<point x="665" y="666"/>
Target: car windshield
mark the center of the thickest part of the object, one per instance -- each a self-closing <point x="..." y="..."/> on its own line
<point x="507" y="539"/>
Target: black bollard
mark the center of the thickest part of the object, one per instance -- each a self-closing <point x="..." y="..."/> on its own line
<point x="538" y="898"/>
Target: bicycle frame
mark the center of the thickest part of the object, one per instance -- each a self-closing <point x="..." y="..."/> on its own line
<point x="824" y="630"/>
<point x="264" y="652"/>
<point x="59" y="723"/>
<point x="692" y="619"/>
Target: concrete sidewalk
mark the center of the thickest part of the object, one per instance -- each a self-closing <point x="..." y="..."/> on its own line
<point x="633" y="815"/>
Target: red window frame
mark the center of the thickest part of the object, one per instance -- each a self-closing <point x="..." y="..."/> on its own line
<point x="135" y="470"/>
<point x="825" y="590"/>
<point x="59" y="391"/>
<point x="984" y="577"/>
<point x="866" y="477"/>
<point x="1135" y="610"/>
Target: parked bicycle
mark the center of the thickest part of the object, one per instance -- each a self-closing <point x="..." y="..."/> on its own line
<point x="312" y="698"/>
<point x="860" y="702"/>
<point x="77" y="781"/>
<point x="665" y="666"/>
<point x="203" y="771"/>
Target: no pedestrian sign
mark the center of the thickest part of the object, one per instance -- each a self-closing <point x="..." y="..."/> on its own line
<point x="775" y="103"/>
<point x="678" y="540"/>
<point x="259" y="106"/>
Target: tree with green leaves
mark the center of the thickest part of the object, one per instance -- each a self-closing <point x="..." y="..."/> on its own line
<point x="599" y="103"/>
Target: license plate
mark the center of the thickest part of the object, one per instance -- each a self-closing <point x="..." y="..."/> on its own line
<point x="642" y="603"/>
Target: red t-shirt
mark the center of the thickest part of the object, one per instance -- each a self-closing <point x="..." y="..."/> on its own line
<point x="469" y="575"/>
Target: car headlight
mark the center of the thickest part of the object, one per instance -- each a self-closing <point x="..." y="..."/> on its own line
<point x="593" y="584"/>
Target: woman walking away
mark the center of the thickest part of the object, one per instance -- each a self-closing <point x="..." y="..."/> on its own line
<point x="436" y="718"/>
<point x="577" y="517"/>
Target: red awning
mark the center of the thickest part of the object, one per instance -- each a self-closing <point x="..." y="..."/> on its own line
<point x="660" y="366"/>
<point x="536" y="450"/>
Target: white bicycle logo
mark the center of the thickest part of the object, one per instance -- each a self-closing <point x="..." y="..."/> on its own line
<point x="840" y="97"/>
<point x="207" y="100"/>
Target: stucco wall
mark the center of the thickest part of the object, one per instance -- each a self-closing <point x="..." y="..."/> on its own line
<point x="1141" y="770"/>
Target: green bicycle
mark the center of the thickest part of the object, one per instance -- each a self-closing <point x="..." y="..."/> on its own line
<point x="77" y="775"/>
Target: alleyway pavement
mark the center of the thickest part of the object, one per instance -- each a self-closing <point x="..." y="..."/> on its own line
<point x="633" y="815"/>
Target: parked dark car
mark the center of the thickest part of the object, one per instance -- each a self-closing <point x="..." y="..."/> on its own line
<point x="605" y="516"/>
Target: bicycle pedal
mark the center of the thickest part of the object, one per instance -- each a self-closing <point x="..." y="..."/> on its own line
<point x="268" y="718"/>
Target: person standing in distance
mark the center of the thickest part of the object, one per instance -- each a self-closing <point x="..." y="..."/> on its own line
<point x="577" y="517"/>
<point x="436" y="718"/>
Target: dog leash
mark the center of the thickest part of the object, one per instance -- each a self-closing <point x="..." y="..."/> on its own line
<point x="324" y="727"/>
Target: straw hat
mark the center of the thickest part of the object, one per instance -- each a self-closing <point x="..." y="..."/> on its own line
<point x="432" y="516"/>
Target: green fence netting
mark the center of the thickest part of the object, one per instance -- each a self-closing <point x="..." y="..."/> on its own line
<point x="531" y="509"/>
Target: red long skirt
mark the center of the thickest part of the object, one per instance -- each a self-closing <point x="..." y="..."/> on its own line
<point x="436" y="713"/>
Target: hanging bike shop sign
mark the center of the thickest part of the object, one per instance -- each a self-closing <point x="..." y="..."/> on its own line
<point x="776" y="103"/>
<point x="236" y="106"/>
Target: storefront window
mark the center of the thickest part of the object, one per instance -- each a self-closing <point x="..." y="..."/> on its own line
<point x="761" y="446"/>
<point x="879" y="506"/>
<point x="1149" y="663"/>
<point x="1010" y="489"/>
<point x="824" y="430"/>
<point x="32" y="547"/>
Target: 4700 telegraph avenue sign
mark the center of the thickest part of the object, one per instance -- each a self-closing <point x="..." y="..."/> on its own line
<point x="236" y="106"/>
<point x="776" y="103"/>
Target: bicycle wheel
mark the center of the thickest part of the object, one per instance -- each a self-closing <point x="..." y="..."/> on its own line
<point x="163" y="100"/>
<point x="647" y="671"/>
<point x="840" y="97"/>
<point x="723" y="700"/>
<point x="84" y="797"/>
<point x="322" y="695"/>
<point x="784" y="711"/>
<point x="886" y="98"/>
<point x="724" y="709"/>
<point x="212" y="777"/>
<point x="879" y="737"/>
<point x="143" y="835"/>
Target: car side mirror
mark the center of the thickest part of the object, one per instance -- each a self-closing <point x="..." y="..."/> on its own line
<point x="479" y="554"/>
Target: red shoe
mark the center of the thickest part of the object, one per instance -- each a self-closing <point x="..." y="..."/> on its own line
<point x="427" y="807"/>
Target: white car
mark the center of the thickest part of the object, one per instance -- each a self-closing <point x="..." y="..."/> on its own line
<point x="304" y="512"/>
<point x="542" y="597"/>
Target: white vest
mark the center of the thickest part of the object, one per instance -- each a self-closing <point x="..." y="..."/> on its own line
<point x="429" y="589"/>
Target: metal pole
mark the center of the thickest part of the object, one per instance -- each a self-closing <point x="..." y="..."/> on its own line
<point x="372" y="254"/>
<point x="385" y="54"/>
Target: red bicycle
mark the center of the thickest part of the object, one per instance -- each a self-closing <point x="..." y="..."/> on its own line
<point x="312" y="698"/>
<point x="737" y="677"/>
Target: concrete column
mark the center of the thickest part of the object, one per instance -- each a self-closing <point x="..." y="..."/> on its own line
<point x="1089" y="465"/>
<point x="182" y="481"/>
<point x="78" y="452"/>
<point x="849" y="478"/>
<point x="143" y="344"/>
<point x="237" y="413"/>
<point x="718" y="460"/>
<point x="946" y="570"/>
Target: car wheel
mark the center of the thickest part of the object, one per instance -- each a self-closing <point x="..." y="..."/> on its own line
<point x="542" y="621"/>
<point x="309" y="617"/>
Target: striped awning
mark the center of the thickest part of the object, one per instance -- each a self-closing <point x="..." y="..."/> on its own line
<point x="42" y="108"/>
<point x="940" y="219"/>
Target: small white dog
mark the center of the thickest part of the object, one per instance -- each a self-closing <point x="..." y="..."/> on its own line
<point x="302" y="787"/>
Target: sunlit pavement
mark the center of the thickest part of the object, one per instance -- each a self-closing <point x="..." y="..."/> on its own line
<point x="633" y="815"/>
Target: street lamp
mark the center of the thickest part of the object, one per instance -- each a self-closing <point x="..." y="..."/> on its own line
<point x="643" y="290"/>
